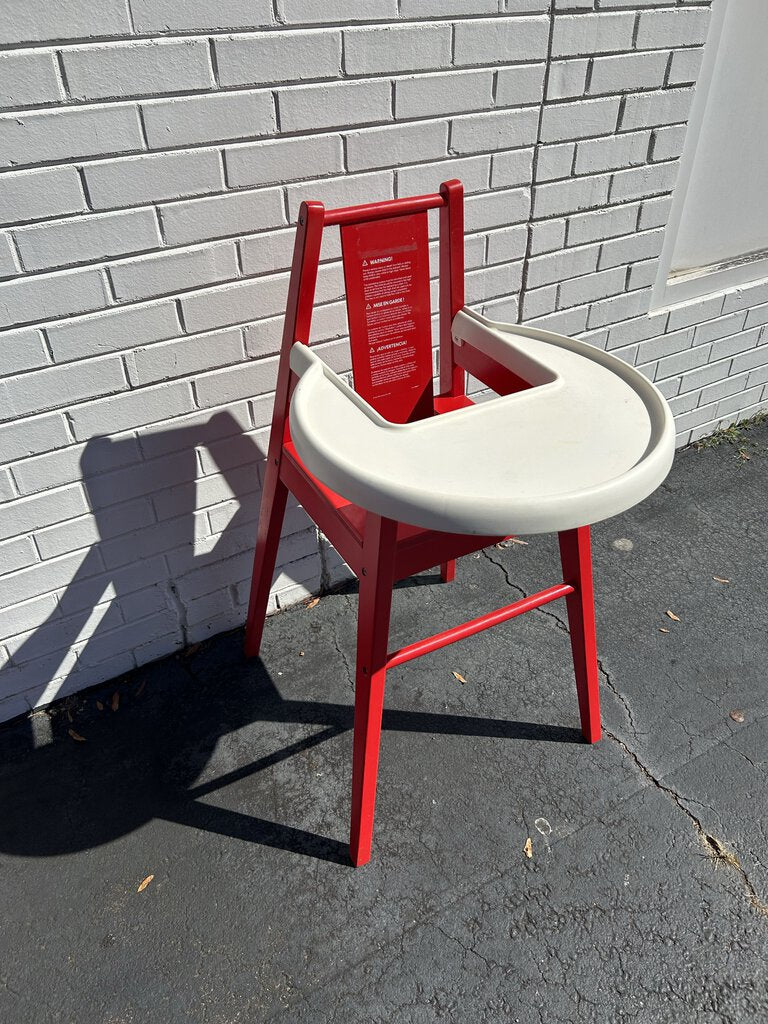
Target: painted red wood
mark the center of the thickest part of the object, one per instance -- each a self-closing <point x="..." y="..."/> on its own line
<point x="378" y="550"/>
<point x="576" y="559"/>
<point x="374" y="605"/>
<point x="450" y="636"/>
<point x="386" y="273"/>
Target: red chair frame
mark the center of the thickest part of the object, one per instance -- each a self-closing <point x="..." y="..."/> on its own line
<point x="381" y="551"/>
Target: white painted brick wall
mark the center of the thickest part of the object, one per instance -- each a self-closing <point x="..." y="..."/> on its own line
<point x="154" y="155"/>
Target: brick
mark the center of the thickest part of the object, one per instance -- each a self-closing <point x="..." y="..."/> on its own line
<point x="361" y="188"/>
<point x="431" y="95"/>
<point x="22" y="350"/>
<point x="504" y="41"/>
<point x="28" y="79"/>
<point x="488" y="211"/>
<point x="443" y="8"/>
<point x="757" y="316"/>
<point x="210" y="118"/>
<point x="169" y="15"/>
<point x="588" y="289"/>
<point x="26" y="616"/>
<point x="589" y="227"/>
<point x="742" y="402"/>
<point x="218" y="216"/>
<point x="134" y="409"/>
<point x="569" y="322"/>
<point x="507" y="244"/>
<point x="136" y="68"/>
<point x="9" y="266"/>
<point x="113" y="331"/>
<point x="393" y="146"/>
<point x="25" y="515"/>
<point x="570" y="196"/>
<point x="307" y="107"/>
<point x="17" y="554"/>
<point x="267" y="252"/>
<point x="685" y="66"/>
<point x="643" y="181"/>
<point x="619" y="307"/>
<point x="286" y="160"/>
<point x="56" y="386"/>
<point x="547" y="235"/>
<point x="473" y="171"/>
<point x="561" y="265"/>
<point x="31" y="195"/>
<point x="555" y="161"/>
<point x="146" y="179"/>
<point x="307" y="11"/>
<point x="628" y="72"/>
<point x="48" y="296"/>
<point x="223" y="386"/>
<point x="749" y="360"/>
<point x="576" y="35"/>
<point x="668" y="142"/>
<point x="35" y="21"/>
<point x="385" y="49"/>
<point x="184" y="357"/>
<point x="694" y="312"/>
<point x="654" y="212"/>
<point x="652" y="109"/>
<point x="523" y="84"/>
<point x="686" y="359"/>
<point x="58" y="468"/>
<point x="736" y="343"/>
<point x="234" y="303"/>
<point x="86" y="239"/>
<point x="616" y="152"/>
<point x="506" y="129"/>
<point x="721" y="327"/>
<point x="278" y="57"/>
<point x="752" y="294"/>
<point x="50" y="135"/>
<point x="67" y="537"/>
<point x="7" y="487"/>
<point x="537" y="302"/>
<point x="513" y="168"/>
<point x="665" y="29"/>
<point x="640" y="246"/>
<point x="173" y="272"/>
<point x="32" y="436"/>
<point x="561" y="121"/>
<point x="567" y="79"/>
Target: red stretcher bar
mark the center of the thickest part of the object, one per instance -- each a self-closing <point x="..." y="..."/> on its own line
<point x="450" y="636"/>
<point x="378" y="211"/>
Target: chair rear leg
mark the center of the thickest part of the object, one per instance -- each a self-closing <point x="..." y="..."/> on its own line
<point x="374" y="607"/>
<point x="271" y="516"/>
<point x="576" y="558"/>
<point x="448" y="570"/>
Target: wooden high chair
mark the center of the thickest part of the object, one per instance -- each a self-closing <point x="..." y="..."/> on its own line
<point x="401" y="480"/>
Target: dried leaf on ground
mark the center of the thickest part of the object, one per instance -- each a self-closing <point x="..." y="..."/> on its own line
<point x="140" y="688"/>
<point x="511" y="540"/>
<point x="663" y="630"/>
<point x="143" y="884"/>
<point x="313" y="603"/>
<point x="459" y="676"/>
<point x="99" y="705"/>
<point x="528" y="848"/>
<point x="737" y="715"/>
<point x="189" y="651"/>
<point x="69" y="716"/>
<point x="675" y="618"/>
<point x="76" y="736"/>
<point x="115" y="702"/>
<point x="720" y="579"/>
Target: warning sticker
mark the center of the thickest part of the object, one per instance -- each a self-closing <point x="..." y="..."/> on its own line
<point x="386" y="268"/>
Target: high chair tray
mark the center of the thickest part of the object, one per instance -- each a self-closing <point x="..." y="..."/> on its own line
<point x="588" y="439"/>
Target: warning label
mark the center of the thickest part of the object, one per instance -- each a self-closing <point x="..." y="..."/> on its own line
<point x="387" y="275"/>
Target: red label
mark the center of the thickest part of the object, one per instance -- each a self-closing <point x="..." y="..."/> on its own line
<point x="386" y="269"/>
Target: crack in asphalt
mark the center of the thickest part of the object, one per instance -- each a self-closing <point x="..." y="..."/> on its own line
<point x="714" y="846"/>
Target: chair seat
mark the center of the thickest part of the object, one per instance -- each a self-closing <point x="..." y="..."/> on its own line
<point x="588" y="439"/>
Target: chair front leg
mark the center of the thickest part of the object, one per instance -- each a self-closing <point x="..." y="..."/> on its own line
<point x="576" y="558"/>
<point x="374" y="606"/>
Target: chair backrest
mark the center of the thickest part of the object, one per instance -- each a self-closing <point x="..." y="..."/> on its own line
<point x="385" y="254"/>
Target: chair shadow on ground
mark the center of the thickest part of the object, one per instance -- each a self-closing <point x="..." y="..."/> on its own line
<point x="144" y="763"/>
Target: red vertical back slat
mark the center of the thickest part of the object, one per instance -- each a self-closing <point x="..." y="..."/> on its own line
<point x="386" y="271"/>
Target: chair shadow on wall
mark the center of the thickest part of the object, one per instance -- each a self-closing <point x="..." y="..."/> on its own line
<point x="65" y="796"/>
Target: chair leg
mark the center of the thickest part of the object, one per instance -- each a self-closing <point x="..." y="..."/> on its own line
<point x="271" y="516"/>
<point x="576" y="558"/>
<point x="374" y="606"/>
<point x="448" y="570"/>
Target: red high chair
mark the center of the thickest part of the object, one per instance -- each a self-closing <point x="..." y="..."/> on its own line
<point x="360" y="463"/>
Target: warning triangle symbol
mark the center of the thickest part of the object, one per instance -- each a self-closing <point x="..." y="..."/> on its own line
<point x="371" y="351"/>
<point x="365" y="263"/>
<point x="368" y="306"/>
